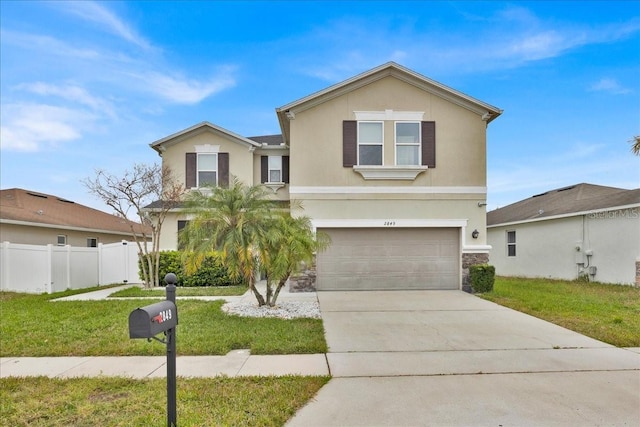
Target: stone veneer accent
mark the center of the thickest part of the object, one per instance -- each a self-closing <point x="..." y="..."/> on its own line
<point x="303" y="280"/>
<point x="469" y="259"/>
<point x="638" y="273"/>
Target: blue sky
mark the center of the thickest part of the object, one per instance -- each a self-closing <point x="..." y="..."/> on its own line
<point x="88" y="85"/>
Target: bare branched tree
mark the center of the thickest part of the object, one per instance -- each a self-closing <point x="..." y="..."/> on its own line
<point x="149" y="192"/>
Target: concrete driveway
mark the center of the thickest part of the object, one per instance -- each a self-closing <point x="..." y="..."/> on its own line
<point x="410" y="358"/>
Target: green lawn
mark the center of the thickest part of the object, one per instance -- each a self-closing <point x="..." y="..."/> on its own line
<point x="254" y="401"/>
<point x="203" y="291"/>
<point x="609" y="313"/>
<point x="34" y="326"/>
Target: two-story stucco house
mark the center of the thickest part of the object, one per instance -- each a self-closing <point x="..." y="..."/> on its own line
<point x="389" y="163"/>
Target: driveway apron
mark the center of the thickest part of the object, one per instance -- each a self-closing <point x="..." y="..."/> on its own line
<point x="413" y="358"/>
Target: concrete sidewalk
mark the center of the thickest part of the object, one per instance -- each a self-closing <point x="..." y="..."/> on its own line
<point x="447" y="358"/>
<point x="235" y="363"/>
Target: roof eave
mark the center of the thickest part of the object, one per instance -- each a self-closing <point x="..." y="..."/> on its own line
<point x="178" y="136"/>
<point x="487" y="111"/>
<point x="565" y="215"/>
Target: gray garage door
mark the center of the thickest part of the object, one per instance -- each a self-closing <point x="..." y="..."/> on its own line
<point x="390" y="258"/>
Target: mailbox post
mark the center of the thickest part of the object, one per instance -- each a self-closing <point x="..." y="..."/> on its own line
<point x="147" y="322"/>
<point x="171" y="280"/>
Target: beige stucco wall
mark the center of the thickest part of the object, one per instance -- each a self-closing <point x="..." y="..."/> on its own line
<point x="33" y="235"/>
<point x="240" y="155"/>
<point x="316" y="146"/>
<point x="316" y="137"/>
<point x="548" y="248"/>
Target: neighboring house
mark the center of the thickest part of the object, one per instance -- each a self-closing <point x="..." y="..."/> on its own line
<point x="389" y="163"/>
<point x="29" y="217"/>
<point x="583" y="229"/>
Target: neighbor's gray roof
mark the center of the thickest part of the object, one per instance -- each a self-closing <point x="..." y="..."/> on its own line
<point x="564" y="201"/>
<point x="268" y="139"/>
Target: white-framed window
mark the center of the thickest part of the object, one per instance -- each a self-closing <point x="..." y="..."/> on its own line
<point x="207" y="169"/>
<point x="275" y="168"/>
<point x="407" y="135"/>
<point x="511" y="243"/>
<point x="92" y="242"/>
<point x="370" y="143"/>
<point x="62" y="239"/>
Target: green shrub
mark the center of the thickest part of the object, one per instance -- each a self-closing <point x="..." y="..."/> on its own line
<point x="482" y="277"/>
<point x="210" y="273"/>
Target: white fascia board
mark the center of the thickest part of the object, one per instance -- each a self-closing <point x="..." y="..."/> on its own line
<point x="65" y="227"/>
<point x="387" y="190"/>
<point x="198" y="128"/>
<point x="567" y="215"/>
<point x="387" y="223"/>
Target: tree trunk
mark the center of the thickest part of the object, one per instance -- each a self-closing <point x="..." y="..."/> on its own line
<point x="269" y="291"/>
<point x="257" y="294"/>
<point x="277" y="292"/>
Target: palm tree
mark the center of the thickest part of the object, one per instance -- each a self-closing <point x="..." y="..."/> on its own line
<point x="232" y="222"/>
<point x="635" y="145"/>
<point x="288" y="242"/>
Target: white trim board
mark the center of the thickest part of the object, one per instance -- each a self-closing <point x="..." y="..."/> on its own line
<point x="387" y="190"/>
<point x="388" y="223"/>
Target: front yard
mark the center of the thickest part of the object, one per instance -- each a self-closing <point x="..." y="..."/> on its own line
<point x="32" y="325"/>
<point x="609" y="313"/>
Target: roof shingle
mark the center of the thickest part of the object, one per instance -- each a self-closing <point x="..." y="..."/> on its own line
<point x="27" y="206"/>
<point x="573" y="199"/>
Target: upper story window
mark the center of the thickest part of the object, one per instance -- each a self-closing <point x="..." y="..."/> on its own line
<point x="207" y="169"/>
<point x="370" y="143"/>
<point x="275" y="169"/>
<point x="511" y="243"/>
<point x="208" y="166"/>
<point x="412" y="140"/>
<point x="407" y="143"/>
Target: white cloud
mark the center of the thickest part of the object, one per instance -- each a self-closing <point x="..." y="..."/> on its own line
<point x="510" y="38"/>
<point x="94" y="12"/>
<point x="34" y="127"/>
<point x="72" y="93"/>
<point x="46" y="45"/>
<point x="609" y="85"/>
<point x="183" y="90"/>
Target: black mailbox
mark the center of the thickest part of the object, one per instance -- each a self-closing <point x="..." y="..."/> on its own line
<point x="149" y="321"/>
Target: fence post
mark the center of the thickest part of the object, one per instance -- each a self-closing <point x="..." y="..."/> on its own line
<point x="100" y="266"/>
<point x="4" y="281"/>
<point x="48" y="285"/>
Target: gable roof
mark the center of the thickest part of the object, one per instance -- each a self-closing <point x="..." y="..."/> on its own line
<point x="161" y="144"/>
<point x="487" y="111"/>
<point x="575" y="199"/>
<point x="18" y="206"/>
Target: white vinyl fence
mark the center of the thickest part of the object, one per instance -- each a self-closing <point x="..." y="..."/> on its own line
<point x="47" y="269"/>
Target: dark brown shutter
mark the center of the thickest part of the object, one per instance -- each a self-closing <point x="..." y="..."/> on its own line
<point x="191" y="170"/>
<point x="264" y="169"/>
<point x="349" y="143"/>
<point x="429" y="144"/>
<point x="223" y="170"/>
<point x="285" y="169"/>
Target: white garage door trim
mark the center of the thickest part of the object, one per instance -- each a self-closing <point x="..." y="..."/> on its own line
<point x="386" y="258"/>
